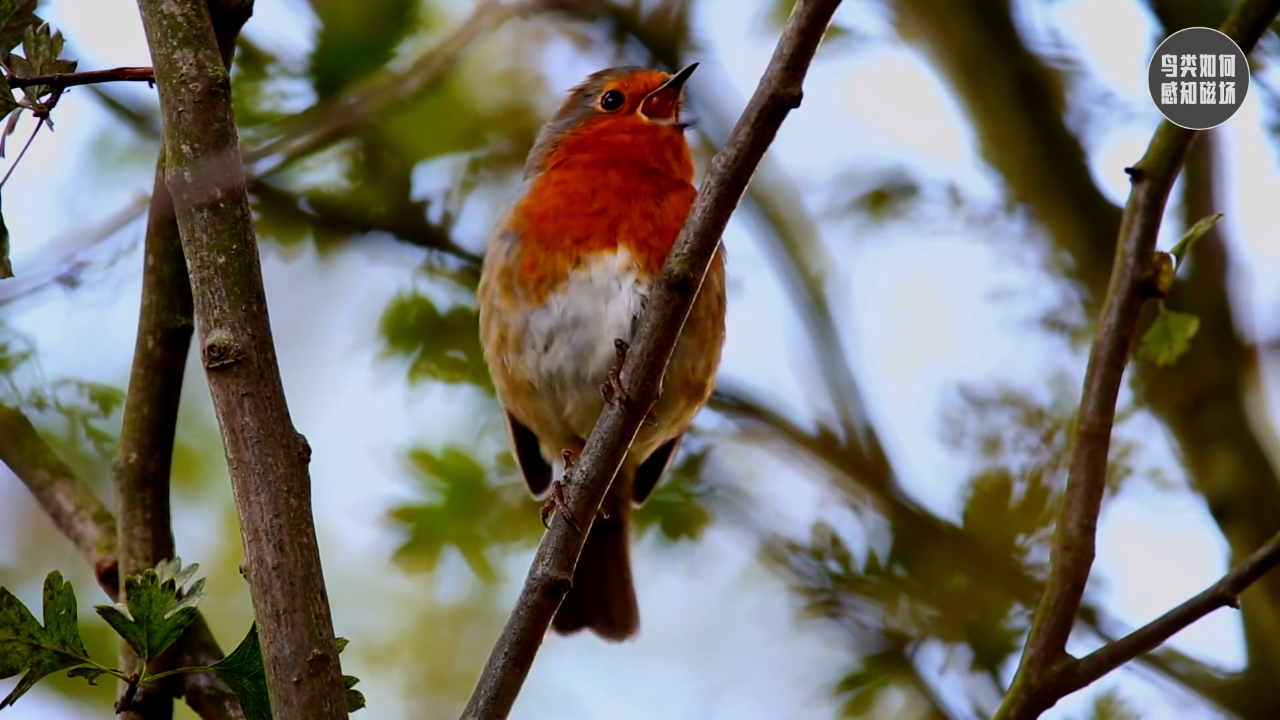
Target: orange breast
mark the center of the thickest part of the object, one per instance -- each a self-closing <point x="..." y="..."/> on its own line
<point x="607" y="187"/>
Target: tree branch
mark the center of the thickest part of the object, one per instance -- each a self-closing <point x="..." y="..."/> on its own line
<point x="143" y="462"/>
<point x="1224" y="593"/>
<point x="72" y="506"/>
<point x="91" y="77"/>
<point x="267" y="457"/>
<point x="551" y="572"/>
<point x="1074" y="539"/>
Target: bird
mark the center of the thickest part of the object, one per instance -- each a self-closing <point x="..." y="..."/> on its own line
<point x="607" y="187"/>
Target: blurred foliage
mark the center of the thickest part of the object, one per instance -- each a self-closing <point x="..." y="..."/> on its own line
<point x="439" y="346"/>
<point x="432" y="168"/>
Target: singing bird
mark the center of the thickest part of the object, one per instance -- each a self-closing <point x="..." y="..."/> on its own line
<point x="607" y="187"/>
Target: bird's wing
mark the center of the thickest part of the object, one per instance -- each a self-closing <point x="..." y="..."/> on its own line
<point x="537" y="473"/>
<point x="652" y="470"/>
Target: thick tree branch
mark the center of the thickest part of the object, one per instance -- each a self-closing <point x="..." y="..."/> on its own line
<point x="142" y="465"/>
<point x="1074" y="538"/>
<point x="267" y="458"/>
<point x="72" y="506"/>
<point x="550" y="575"/>
<point x="1224" y="593"/>
<point x="90" y="77"/>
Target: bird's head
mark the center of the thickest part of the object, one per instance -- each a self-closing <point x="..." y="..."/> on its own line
<point x="622" y="114"/>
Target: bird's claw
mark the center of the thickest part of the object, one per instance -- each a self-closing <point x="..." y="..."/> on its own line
<point x="557" y="503"/>
<point x="612" y="387"/>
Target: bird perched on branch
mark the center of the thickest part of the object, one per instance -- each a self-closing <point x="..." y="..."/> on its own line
<point x="607" y="188"/>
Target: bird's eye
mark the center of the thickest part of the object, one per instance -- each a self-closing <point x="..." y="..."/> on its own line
<point x="611" y="101"/>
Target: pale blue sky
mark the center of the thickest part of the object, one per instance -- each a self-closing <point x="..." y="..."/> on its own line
<point x="920" y="314"/>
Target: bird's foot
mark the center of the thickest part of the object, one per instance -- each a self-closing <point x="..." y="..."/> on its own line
<point x="557" y="503"/>
<point x="612" y="387"/>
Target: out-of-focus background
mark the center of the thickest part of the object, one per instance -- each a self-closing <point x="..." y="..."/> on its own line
<point x="856" y="525"/>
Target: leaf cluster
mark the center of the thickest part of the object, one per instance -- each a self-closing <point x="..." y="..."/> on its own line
<point x="159" y="606"/>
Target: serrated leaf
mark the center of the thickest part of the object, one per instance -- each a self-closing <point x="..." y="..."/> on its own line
<point x="41" y="47"/>
<point x="15" y="17"/>
<point x="244" y="672"/>
<point x="39" y="650"/>
<point x="1196" y="232"/>
<point x="1168" y="338"/>
<point x="87" y="672"/>
<point x="153" y="616"/>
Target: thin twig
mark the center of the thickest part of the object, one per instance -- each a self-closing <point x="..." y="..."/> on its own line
<point x="1074" y="539"/>
<point x="267" y="458"/>
<point x="14" y="165"/>
<point x="1224" y="593"/>
<point x="551" y="572"/>
<point x="91" y="77"/>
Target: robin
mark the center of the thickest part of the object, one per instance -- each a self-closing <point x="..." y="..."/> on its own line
<point x="607" y="187"/>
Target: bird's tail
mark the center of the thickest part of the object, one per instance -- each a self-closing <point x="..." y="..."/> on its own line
<point x="603" y="597"/>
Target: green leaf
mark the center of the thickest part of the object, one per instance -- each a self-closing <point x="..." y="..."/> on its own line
<point x="1196" y="232"/>
<point x="41" y="46"/>
<point x="244" y="672"/>
<point x="25" y="645"/>
<point x="154" y="617"/>
<point x="443" y="346"/>
<point x="1168" y="337"/>
<point x="7" y="106"/>
<point x="354" y="698"/>
<point x="15" y="17"/>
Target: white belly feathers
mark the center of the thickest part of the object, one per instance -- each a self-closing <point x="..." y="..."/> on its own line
<point x="569" y="342"/>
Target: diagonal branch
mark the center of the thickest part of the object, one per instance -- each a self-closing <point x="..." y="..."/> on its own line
<point x="267" y="458"/>
<point x="72" y="506"/>
<point x="551" y="572"/>
<point x="1131" y="285"/>
<point x="1224" y="593"/>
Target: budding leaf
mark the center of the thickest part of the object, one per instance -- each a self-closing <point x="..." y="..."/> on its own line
<point x="25" y="645"/>
<point x="245" y="674"/>
<point x="154" y="617"/>
<point x="1196" y="232"/>
<point x="354" y="698"/>
<point x="1168" y="338"/>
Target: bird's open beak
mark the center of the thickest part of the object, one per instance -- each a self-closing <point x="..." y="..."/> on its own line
<point x="663" y="105"/>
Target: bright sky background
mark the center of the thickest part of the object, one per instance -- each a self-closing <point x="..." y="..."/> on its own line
<point x="920" y="314"/>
